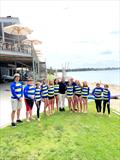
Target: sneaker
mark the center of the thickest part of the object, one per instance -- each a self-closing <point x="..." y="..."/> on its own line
<point x="27" y="120"/>
<point x="38" y="119"/>
<point x="13" y="124"/>
<point x="60" y="109"/>
<point x="19" y="121"/>
<point x="63" y="109"/>
<point x="33" y="118"/>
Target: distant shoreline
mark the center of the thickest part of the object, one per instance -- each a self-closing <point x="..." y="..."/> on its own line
<point x="89" y="69"/>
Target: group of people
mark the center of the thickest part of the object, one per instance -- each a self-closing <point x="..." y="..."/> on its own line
<point x="53" y="93"/>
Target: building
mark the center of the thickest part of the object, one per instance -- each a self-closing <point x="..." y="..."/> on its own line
<point x="13" y="57"/>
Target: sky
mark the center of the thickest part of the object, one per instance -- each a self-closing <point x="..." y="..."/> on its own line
<point x="84" y="33"/>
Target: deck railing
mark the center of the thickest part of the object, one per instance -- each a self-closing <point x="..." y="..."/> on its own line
<point x="11" y="45"/>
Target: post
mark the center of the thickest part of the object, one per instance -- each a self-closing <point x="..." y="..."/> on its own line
<point x="3" y="35"/>
<point x="33" y="70"/>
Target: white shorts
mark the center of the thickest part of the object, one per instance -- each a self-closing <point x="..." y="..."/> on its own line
<point x="16" y="104"/>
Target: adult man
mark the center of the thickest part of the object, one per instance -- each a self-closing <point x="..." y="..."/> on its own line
<point x="62" y="89"/>
<point x="16" y="99"/>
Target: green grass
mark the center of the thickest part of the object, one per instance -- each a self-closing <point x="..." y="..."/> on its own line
<point x="63" y="136"/>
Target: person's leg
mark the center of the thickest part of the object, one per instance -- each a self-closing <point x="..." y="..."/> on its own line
<point x="77" y="102"/>
<point x="37" y="105"/>
<point x="27" y="109"/>
<point x="31" y="102"/>
<point x="19" y="106"/>
<point x="96" y="103"/>
<point x="27" y="115"/>
<point x="86" y="101"/>
<point x="57" y="100"/>
<point x="63" y="102"/>
<point x="108" y="107"/>
<point x="69" y="104"/>
<point x="100" y="107"/>
<point x="83" y="104"/>
<point x="72" y="103"/>
<point x="104" y="106"/>
<point x="60" y="101"/>
<point x="80" y="102"/>
<point x="46" y="104"/>
<point x="14" y="108"/>
<point x="49" y="107"/>
<point x="13" y="116"/>
<point x="53" y="101"/>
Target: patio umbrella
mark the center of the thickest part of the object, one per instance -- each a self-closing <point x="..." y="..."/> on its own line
<point x="18" y="30"/>
<point x="32" y="41"/>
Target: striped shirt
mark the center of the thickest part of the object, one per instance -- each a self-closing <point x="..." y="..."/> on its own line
<point x="38" y="94"/>
<point x="97" y="93"/>
<point x="51" y="91"/>
<point x="56" y="89"/>
<point x="16" y="90"/>
<point x="69" y="91"/>
<point x="44" y="90"/>
<point x="29" y="91"/>
<point x="77" y="90"/>
<point x="85" y="92"/>
<point x="106" y="94"/>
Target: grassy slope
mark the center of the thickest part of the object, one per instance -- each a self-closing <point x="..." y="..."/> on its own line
<point x="63" y="136"/>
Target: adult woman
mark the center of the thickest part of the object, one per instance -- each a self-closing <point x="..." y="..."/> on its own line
<point x="56" y="92"/>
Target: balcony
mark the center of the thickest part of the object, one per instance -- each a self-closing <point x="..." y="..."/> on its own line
<point x="12" y="48"/>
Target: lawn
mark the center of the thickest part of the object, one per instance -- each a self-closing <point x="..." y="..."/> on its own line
<point x="63" y="136"/>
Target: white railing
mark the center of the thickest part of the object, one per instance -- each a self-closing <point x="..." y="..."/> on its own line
<point x="9" y="48"/>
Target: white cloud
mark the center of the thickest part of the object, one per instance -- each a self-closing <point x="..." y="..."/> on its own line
<point x="71" y="31"/>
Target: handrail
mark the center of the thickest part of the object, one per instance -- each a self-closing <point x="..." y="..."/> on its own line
<point x="15" y="48"/>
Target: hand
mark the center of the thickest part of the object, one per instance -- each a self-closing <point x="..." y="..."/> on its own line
<point x="43" y="100"/>
<point x="20" y="99"/>
<point x="37" y="102"/>
<point x="32" y="97"/>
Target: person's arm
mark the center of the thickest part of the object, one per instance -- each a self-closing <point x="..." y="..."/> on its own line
<point x="21" y="91"/>
<point x="88" y="90"/>
<point x="25" y="91"/>
<point x="109" y="95"/>
<point x="93" y="92"/>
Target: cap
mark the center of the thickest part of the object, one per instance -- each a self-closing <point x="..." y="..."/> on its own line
<point x="16" y="75"/>
<point x="37" y="83"/>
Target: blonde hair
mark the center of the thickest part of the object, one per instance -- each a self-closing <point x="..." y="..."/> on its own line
<point x="78" y="83"/>
<point x="51" y="82"/>
<point x="106" y="85"/>
<point x="85" y="84"/>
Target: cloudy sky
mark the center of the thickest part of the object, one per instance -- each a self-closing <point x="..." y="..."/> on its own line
<point x="79" y="33"/>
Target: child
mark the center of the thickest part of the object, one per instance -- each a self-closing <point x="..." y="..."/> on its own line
<point x="38" y="99"/>
<point x="78" y="93"/>
<point x="74" y="97"/>
<point x="29" y="94"/>
<point x="106" y="99"/>
<point x="16" y="99"/>
<point x="56" y="90"/>
<point x="44" y="93"/>
<point x="97" y="93"/>
<point x="69" y="92"/>
<point x="85" y="93"/>
<point x="51" y="96"/>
